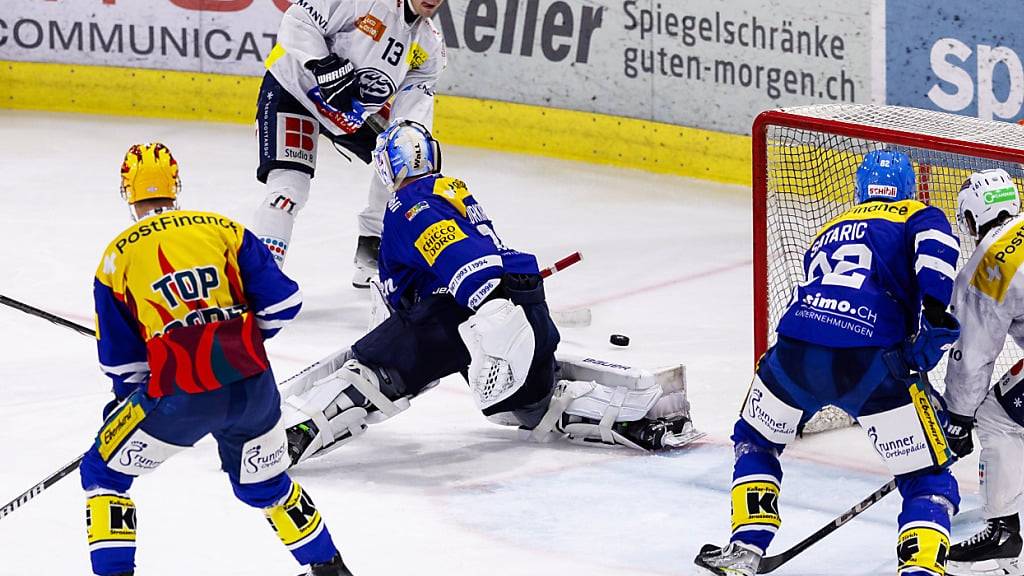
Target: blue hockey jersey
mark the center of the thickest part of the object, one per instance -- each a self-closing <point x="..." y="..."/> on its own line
<point x="867" y="273"/>
<point x="437" y="239"/>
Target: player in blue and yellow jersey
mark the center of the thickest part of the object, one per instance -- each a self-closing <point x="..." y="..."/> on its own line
<point x="460" y="300"/>
<point x="871" y="310"/>
<point x="184" y="301"/>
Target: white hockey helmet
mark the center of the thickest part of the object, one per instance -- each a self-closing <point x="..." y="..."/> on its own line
<point x="983" y="198"/>
<point x="405" y="150"/>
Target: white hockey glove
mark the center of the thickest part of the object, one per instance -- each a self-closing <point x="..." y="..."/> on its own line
<point x="501" y="344"/>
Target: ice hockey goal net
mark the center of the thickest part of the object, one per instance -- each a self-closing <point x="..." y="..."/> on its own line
<point x="804" y="160"/>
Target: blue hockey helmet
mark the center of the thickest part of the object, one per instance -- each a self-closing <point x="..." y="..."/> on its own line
<point x="885" y="175"/>
<point x="404" y="150"/>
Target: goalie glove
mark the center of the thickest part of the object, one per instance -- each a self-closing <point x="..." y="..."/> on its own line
<point x="501" y="343"/>
<point x="336" y="78"/>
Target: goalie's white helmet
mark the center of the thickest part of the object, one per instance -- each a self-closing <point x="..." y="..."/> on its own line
<point x="405" y="150"/>
<point x="983" y="198"/>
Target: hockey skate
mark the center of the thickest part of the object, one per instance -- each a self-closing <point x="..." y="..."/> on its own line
<point x="736" y="559"/>
<point x="991" y="552"/>
<point x="367" y="252"/>
<point x="336" y="567"/>
<point x="661" y="433"/>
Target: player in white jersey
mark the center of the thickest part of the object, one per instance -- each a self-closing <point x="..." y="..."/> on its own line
<point x="337" y="63"/>
<point x="988" y="299"/>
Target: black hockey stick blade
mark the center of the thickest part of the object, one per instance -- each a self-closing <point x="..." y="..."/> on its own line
<point x="770" y="563"/>
<point x="46" y="316"/>
<point x="38" y="488"/>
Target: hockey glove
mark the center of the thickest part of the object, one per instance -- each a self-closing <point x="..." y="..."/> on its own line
<point x="336" y="78"/>
<point x="939" y="330"/>
<point x="958" y="432"/>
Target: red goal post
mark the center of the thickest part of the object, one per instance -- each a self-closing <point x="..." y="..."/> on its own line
<point x="804" y="161"/>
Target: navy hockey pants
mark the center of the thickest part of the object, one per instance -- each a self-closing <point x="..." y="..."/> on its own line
<point x="422" y="343"/>
<point x="143" y="431"/>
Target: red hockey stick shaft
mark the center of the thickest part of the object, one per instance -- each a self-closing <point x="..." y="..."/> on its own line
<point x="562" y="264"/>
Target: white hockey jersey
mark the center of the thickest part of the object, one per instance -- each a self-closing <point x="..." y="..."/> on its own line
<point x="988" y="300"/>
<point x="391" y="57"/>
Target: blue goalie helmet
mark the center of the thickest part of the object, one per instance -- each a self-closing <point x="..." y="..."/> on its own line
<point x="885" y="175"/>
<point x="406" y="149"/>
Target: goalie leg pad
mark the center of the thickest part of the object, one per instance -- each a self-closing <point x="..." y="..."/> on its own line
<point x="598" y="407"/>
<point x="338" y="408"/>
<point x="501" y="345"/>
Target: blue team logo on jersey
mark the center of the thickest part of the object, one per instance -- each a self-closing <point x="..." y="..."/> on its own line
<point x="375" y="87"/>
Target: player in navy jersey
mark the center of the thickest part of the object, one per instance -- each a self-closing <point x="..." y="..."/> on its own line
<point x="871" y="310"/>
<point x="460" y="300"/>
<point x="184" y="301"/>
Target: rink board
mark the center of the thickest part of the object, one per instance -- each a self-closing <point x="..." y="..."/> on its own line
<point x="565" y="134"/>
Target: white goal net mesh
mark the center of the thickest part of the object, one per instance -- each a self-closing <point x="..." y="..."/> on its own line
<point x="809" y="180"/>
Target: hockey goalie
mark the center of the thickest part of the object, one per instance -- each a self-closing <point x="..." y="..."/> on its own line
<point x="453" y="298"/>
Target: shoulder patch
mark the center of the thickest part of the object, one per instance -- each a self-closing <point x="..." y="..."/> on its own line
<point x="454" y="191"/>
<point x="416" y="209"/>
<point x="437" y="238"/>
<point x="999" y="265"/>
<point x="371" y="26"/>
<point x="416" y="56"/>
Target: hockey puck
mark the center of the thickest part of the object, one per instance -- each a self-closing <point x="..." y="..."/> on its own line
<point x="619" y="340"/>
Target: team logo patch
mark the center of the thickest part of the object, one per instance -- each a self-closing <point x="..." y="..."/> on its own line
<point x="264" y="457"/>
<point x="416" y="56"/>
<point x="375" y="87"/>
<point x="419" y="207"/>
<point x="932" y="428"/>
<point x="371" y="26"/>
<point x="1007" y="194"/>
<point x="437" y="238"/>
<point x="118" y="427"/>
<point x="110" y="521"/>
<point x="924" y="547"/>
<point x="882" y="190"/>
<point x="756" y="503"/>
<point x="296" y="139"/>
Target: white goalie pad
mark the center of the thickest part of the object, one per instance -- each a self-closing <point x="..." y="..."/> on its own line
<point x="603" y="393"/>
<point x="577" y="367"/>
<point x="305" y="379"/>
<point x="334" y="418"/>
<point x="501" y="344"/>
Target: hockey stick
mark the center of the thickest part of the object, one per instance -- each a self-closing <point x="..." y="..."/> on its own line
<point x="38" y="488"/>
<point x="562" y="264"/>
<point x="577" y="317"/>
<point x="73" y="465"/>
<point x="46" y="316"/>
<point x="770" y="563"/>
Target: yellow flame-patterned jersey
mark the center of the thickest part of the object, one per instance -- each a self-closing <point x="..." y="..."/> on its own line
<point x="180" y="269"/>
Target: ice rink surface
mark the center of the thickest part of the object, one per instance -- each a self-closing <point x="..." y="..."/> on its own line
<point x="438" y="490"/>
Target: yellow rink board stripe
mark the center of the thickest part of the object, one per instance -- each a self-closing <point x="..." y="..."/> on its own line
<point x="566" y="134"/>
